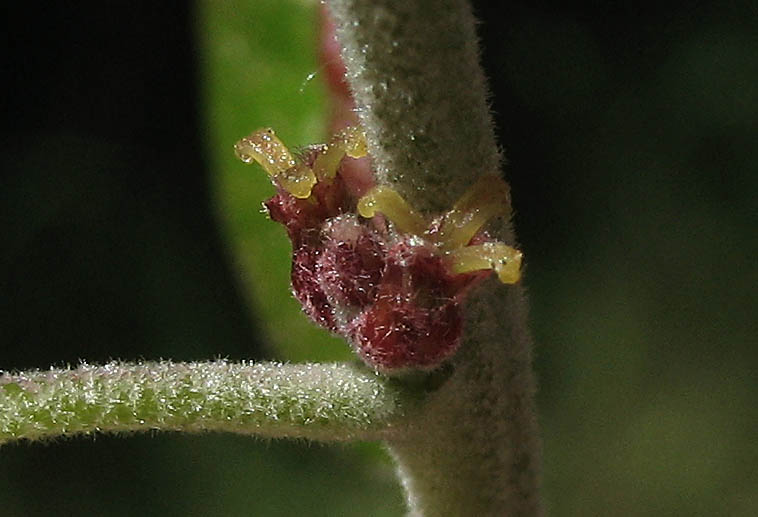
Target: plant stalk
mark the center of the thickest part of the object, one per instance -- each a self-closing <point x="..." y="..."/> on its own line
<point x="413" y="68"/>
<point x="326" y="402"/>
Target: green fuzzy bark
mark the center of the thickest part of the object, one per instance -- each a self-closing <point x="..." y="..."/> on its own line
<point x="316" y="401"/>
<point x="473" y="448"/>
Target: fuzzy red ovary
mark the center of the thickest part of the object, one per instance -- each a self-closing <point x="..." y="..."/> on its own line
<point x="416" y="321"/>
<point x="307" y="287"/>
<point x="397" y="334"/>
<point x="351" y="264"/>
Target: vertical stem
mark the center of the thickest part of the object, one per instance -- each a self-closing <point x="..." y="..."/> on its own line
<point x="475" y="449"/>
<point x="414" y="70"/>
<point x="421" y="95"/>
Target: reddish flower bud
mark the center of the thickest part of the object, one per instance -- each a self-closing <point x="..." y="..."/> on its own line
<point x="393" y="284"/>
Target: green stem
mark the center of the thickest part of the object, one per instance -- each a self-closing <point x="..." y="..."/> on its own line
<point x="473" y="447"/>
<point x="315" y="401"/>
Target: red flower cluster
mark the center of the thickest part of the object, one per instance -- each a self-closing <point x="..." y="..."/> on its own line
<point x="395" y="295"/>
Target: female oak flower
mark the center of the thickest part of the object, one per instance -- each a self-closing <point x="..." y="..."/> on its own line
<point x="372" y="269"/>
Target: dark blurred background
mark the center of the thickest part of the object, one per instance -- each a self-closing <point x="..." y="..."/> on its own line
<point x="630" y="133"/>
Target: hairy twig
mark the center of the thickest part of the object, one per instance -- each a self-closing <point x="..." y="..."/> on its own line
<point x="333" y="402"/>
<point x="420" y="94"/>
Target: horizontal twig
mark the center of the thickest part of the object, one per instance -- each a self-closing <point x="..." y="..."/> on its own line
<point x="331" y="401"/>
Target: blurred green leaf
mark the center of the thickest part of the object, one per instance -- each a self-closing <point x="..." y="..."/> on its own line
<point x="257" y="59"/>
